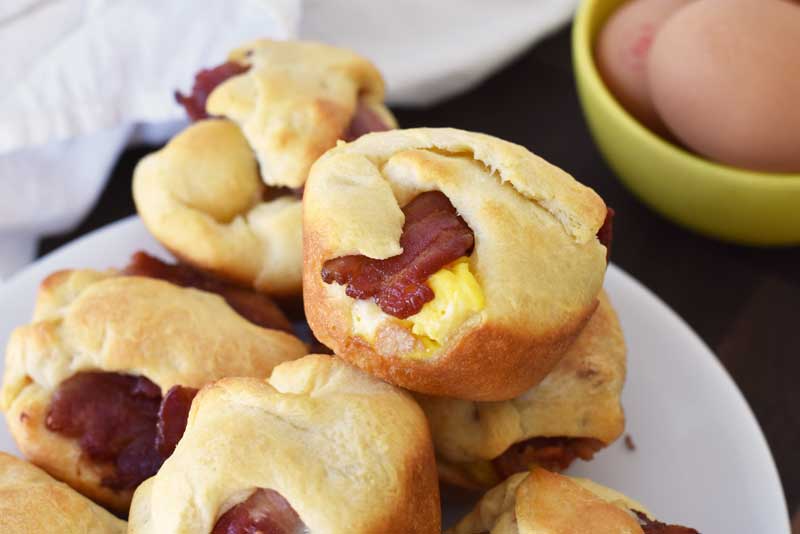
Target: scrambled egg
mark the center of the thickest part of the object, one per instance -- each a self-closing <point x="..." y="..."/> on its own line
<point x="457" y="296"/>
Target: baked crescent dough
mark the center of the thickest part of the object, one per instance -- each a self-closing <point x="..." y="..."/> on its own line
<point x="32" y="502"/>
<point x="349" y="453"/>
<point x="201" y="197"/>
<point x="91" y="321"/>
<point x="579" y="399"/>
<point x="536" y="257"/>
<point x="541" y="502"/>
<point x="295" y="101"/>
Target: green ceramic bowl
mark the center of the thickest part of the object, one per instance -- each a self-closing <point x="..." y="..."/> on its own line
<point x="738" y="205"/>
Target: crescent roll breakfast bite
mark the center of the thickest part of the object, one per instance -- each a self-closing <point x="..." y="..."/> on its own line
<point x="318" y="447"/>
<point x="202" y="198"/>
<point x="448" y="262"/>
<point x="256" y="307"/>
<point x="223" y="195"/>
<point x="541" y="502"/>
<point x="96" y="388"/>
<point x="292" y="100"/>
<point x="572" y="413"/>
<point x="32" y="502"/>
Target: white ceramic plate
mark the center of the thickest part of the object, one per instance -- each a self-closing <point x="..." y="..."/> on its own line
<point x="700" y="458"/>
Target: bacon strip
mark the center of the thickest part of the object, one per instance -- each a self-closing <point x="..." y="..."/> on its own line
<point x="364" y="121"/>
<point x="656" y="527"/>
<point x="172" y="417"/>
<point x="257" y="308"/>
<point x="264" y="512"/>
<point x="606" y="232"/>
<point x="113" y="417"/>
<point x="433" y="236"/>
<point x="205" y="82"/>
<point x="554" y="454"/>
<point x="117" y="419"/>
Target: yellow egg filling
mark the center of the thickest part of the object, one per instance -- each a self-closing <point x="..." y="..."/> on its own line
<point x="457" y="296"/>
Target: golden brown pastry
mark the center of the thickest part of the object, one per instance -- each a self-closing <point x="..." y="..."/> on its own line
<point x="295" y="100"/>
<point x="573" y="412"/>
<point x="280" y="105"/>
<point x="93" y="381"/>
<point x="448" y="262"/>
<point x="254" y="306"/>
<point x="202" y="198"/>
<point x="318" y="447"/>
<point x="541" y="502"/>
<point x="32" y="502"/>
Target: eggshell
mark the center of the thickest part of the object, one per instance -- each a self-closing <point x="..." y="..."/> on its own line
<point x="725" y="78"/>
<point x="621" y="54"/>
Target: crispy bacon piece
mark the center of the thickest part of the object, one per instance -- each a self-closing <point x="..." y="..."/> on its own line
<point x="172" y="417"/>
<point x="364" y="121"/>
<point x="255" y="307"/>
<point x="205" y="82"/>
<point x="657" y="527"/>
<point x="433" y="236"/>
<point x="554" y="454"/>
<point x="264" y="512"/>
<point x="113" y="417"/>
<point x="271" y="193"/>
<point x="116" y="419"/>
<point x="606" y="232"/>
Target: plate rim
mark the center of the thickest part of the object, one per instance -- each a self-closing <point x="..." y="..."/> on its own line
<point x="714" y="362"/>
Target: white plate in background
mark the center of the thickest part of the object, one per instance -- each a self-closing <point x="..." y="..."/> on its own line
<point x="700" y="458"/>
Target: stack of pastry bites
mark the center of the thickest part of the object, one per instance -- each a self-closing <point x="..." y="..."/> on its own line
<point x="456" y="277"/>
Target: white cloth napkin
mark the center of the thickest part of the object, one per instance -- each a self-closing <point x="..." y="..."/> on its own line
<point x="83" y="74"/>
<point x="83" y="78"/>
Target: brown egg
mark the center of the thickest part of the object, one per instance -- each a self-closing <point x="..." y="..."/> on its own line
<point x="621" y="53"/>
<point x="725" y="78"/>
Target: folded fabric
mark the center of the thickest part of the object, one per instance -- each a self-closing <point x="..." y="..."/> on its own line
<point x="82" y="76"/>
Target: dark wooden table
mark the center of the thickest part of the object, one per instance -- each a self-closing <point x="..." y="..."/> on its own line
<point x="744" y="302"/>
